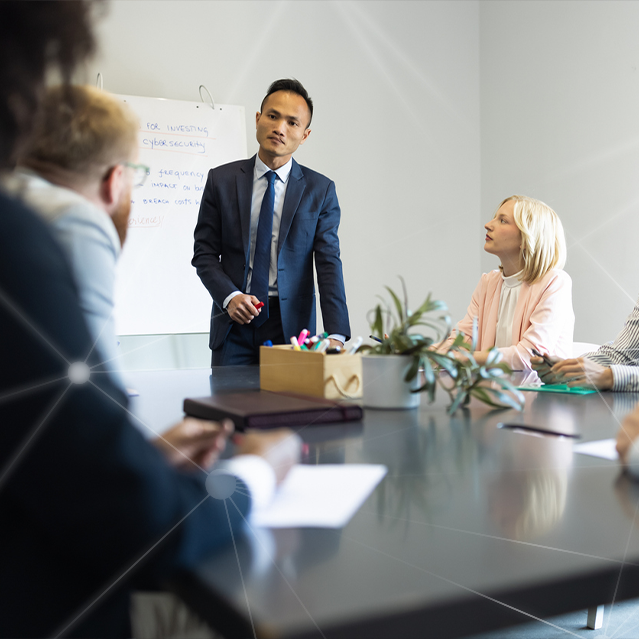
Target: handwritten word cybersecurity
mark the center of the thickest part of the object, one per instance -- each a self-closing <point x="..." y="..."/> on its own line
<point x="158" y="143"/>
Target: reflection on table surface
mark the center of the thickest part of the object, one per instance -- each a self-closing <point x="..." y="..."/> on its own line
<point x="465" y="507"/>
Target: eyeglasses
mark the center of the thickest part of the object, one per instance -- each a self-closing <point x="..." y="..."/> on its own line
<point x="140" y="171"/>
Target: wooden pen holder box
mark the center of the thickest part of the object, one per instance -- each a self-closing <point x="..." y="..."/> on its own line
<point x="283" y="369"/>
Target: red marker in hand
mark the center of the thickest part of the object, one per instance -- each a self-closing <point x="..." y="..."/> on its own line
<point x="259" y="305"/>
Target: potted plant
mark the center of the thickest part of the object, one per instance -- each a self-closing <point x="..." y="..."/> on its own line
<point x="404" y="362"/>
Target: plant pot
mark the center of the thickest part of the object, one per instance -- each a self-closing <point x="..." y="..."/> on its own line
<point x="384" y="385"/>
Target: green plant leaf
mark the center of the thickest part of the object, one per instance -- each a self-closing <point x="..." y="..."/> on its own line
<point x="418" y="343"/>
<point x="377" y="328"/>
<point x="429" y="373"/>
<point x="449" y="364"/>
<point x="411" y="373"/>
<point x="404" y="343"/>
<point x="460" y="339"/>
<point x="508" y="386"/>
<point x="461" y="396"/>
<point x="429" y="388"/>
<point x="508" y="401"/>
<point x="398" y="304"/>
<point x="460" y="343"/>
<point x="406" y="311"/>
<point x="480" y="394"/>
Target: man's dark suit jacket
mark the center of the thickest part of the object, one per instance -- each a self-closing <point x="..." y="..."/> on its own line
<point x="308" y="229"/>
<point x="83" y="496"/>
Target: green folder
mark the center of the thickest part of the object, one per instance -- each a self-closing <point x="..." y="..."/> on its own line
<point x="558" y="388"/>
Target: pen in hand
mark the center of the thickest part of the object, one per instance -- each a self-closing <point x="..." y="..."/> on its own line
<point x="546" y="359"/>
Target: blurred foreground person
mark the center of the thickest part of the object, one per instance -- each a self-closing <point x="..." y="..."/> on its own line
<point x="77" y="171"/>
<point x="89" y="508"/>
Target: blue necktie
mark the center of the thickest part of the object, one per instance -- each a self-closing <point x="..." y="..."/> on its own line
<point x="262" y="255"/>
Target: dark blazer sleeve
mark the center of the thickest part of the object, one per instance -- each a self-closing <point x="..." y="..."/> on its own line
<point x="210" y="241"/>
<point x="328" y="264"/>
<point x="88" y="505"/>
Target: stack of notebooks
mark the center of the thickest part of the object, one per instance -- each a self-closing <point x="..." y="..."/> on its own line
<point x="264" y="409"/>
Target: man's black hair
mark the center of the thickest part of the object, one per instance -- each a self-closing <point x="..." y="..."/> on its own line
<point x="292" y="86"/>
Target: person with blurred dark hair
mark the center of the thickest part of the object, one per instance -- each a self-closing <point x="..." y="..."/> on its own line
<point x="90" y="509"/>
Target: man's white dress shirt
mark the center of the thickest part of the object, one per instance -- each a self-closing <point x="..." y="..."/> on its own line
<point x="259" y="188"/>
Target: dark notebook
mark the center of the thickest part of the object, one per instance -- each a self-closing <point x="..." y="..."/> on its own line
<point x="264" y="409"/>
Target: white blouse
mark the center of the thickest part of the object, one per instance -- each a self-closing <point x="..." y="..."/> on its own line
<point x="508" y="297"/>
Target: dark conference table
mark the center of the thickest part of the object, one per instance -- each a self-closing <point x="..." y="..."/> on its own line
<point x="474" y="527"/>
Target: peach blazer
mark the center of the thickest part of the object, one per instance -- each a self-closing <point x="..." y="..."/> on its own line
<point x="544" y="318"/>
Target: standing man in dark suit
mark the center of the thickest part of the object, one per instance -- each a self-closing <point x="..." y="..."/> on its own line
<point x="261" y="223"/>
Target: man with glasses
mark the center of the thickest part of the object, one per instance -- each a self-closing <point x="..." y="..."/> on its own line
<point x="77" y="171"/>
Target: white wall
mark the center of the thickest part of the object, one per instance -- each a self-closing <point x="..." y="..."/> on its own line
<point x="396" y="126"/>
<point x="560" y="122"/>
<point x="399" y="89"/>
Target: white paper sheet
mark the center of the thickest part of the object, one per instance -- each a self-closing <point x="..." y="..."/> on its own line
<point x="323" y="496"/>
<point x="604" y="448"/>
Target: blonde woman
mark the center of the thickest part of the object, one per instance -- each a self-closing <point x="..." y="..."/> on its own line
<point x="527" y="302"/>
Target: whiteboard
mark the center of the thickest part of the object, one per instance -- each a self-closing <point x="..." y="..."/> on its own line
<point x="157" y="291"/>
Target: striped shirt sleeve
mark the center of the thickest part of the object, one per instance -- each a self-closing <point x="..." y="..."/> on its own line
<point x="622" y="355"/>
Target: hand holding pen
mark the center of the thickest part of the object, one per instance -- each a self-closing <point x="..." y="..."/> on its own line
<point x="243" y="308"/>
<point x="546" y="359"/>
<point x="544" y="367"/>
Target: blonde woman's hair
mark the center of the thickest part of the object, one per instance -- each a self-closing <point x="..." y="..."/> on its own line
<point x="543" y="243"/>
<point x="83" y="130"/>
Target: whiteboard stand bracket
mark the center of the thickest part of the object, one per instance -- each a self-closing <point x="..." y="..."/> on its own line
<point x="210" y="96"/>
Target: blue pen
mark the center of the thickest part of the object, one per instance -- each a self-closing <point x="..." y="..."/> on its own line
<point x="376" y="338"/>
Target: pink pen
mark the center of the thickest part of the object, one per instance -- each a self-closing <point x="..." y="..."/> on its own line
<point x="303" y="335"/>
